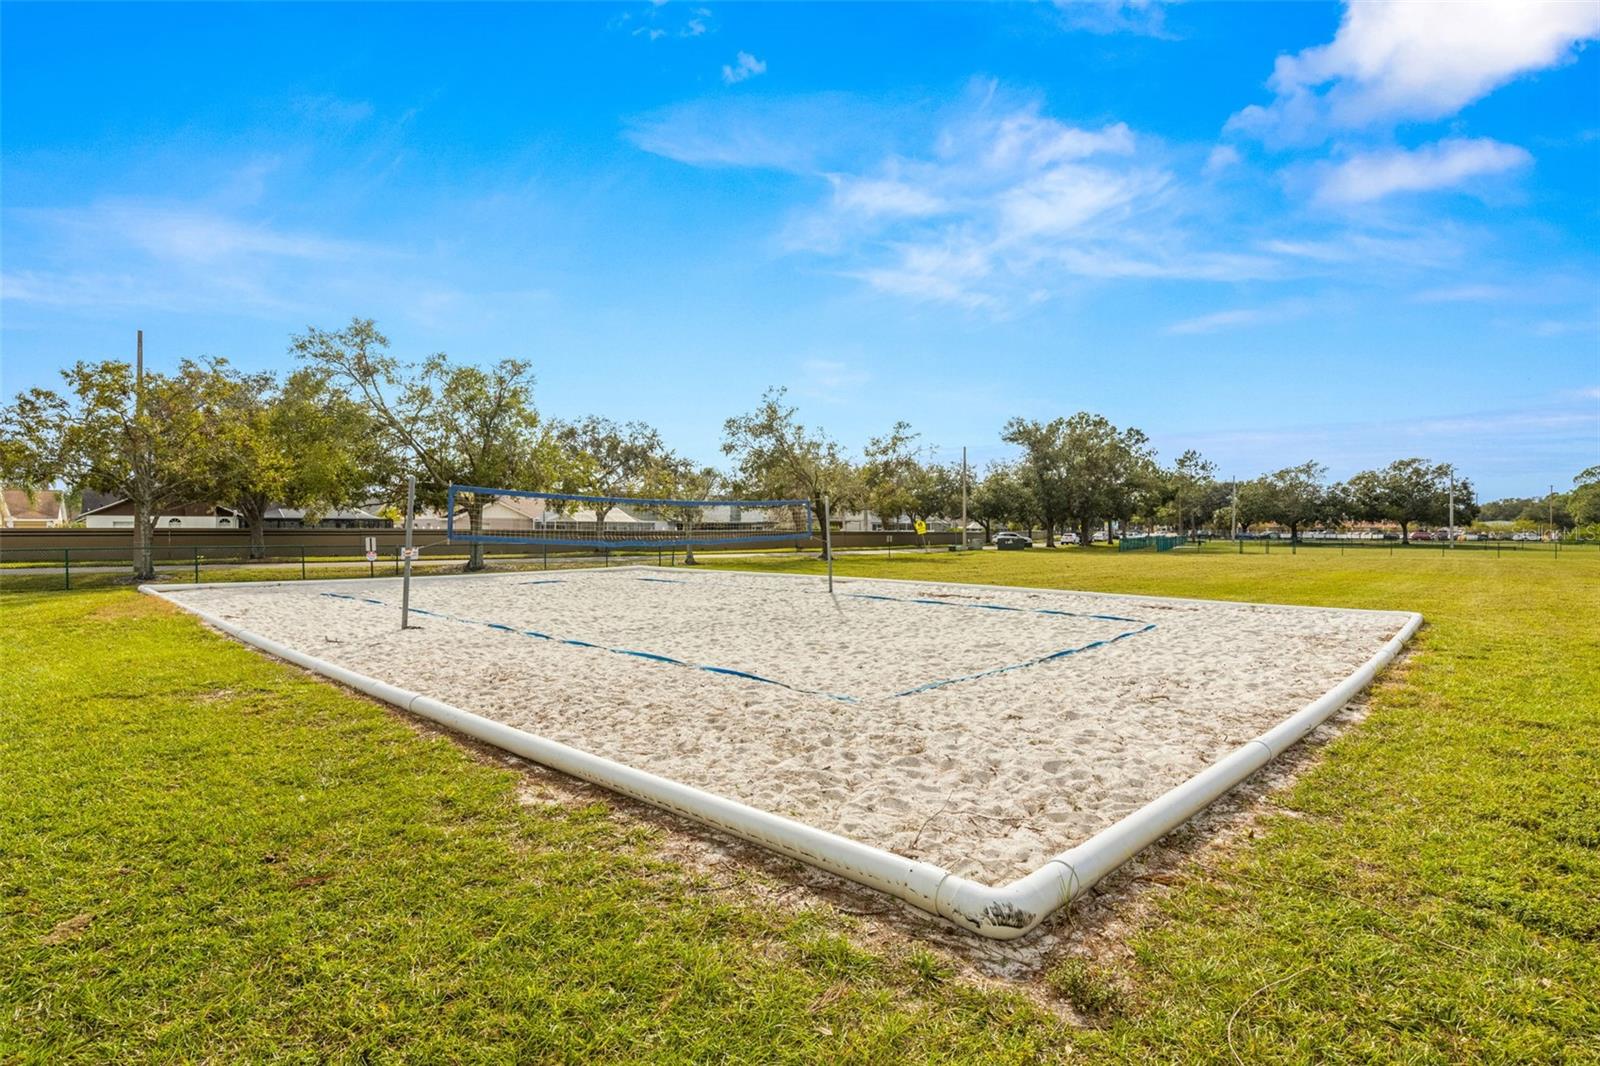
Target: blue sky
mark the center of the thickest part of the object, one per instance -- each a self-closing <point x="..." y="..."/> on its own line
<point x="1269" y="232"/>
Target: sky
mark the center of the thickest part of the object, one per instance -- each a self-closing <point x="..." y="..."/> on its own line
<point x="1268" y="232"/>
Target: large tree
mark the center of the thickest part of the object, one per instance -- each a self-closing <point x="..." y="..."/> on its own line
<point x="1003" y="496"/>
<point x="618" y="459"/>
<point x="1190" y="491"/>
<point x="888" y="473"/>
<point x="1409" y="492"/>
<point x="454" y="423"/>
<point x="1583" y="502"/>
<point x="673" y="477"/>
<point x="1045" y="466"/>
<point x="297" y="443"/>
<point x="936" y="491"/>
<point x="146" y="440"/>
<point x="775" y="455"/>
<point x="1295" y="496"/>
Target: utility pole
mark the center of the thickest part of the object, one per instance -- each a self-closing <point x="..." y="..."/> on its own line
<point x="1552" y="512"/>
<point x="1234" y="513"/>
<point x="963" y="497"/>
<point x="138" y="378"/>
<point x="1452" y="507"/>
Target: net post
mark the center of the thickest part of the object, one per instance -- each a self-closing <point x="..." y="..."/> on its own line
<point x="411" y="506"/>
<point x="827" y="541"/>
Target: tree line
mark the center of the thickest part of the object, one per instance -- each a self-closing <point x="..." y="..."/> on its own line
<point x="351" y="420"/>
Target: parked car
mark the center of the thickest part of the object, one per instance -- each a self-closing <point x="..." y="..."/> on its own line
<point x="1069" y="538"/>
<point x="1098" y="536"/>
<point x="1421" y="534"/>
<point x="1008" y="541"/>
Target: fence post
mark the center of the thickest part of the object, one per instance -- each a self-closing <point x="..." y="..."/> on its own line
<point x="197" y="564"/>
<point x="66" y="566"/>
<point x="302" y="562"/>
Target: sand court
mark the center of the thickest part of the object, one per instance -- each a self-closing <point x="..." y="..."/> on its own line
<point x="982" y="729"/>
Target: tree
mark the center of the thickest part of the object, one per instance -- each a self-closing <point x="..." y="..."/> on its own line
<point x="1506" y="510"/>
<point x="1295" y="496"/>
<point x="776" y="456"/>
<point x="458" y="424"/>
<point x="301" y="444"/>
<point x="888" y="472"/>
<point x="1003" y="496"/>
<point x="618" y="458"/>
<point x="675" y="478"/>
<point x="1191" y="491"/>
<point x="1106" y="471"/>
<point x="1408" y="492"/>
<point x="1044" y="465"/>
<point x="1583" y="502"/>
<point x="146" y="441"/>
<point x="935" y="491"/>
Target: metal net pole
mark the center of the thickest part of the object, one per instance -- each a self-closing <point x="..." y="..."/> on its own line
<point x="827" y="542"/>
<point x="405" y="588"/>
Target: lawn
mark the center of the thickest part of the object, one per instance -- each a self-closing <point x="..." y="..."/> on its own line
<point x="205" y="854"/>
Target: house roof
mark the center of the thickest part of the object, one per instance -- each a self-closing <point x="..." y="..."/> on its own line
<point x="45" y="505"/>
<point x="122" y="505"/>
<point x="298" y="513"/>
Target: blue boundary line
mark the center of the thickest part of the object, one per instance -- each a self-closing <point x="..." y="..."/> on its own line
<point x="651" y="656"/>
<point x="1145" y="627"/>
<point x="1062" y="654"/>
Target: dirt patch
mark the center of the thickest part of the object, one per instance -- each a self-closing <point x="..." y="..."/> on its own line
<point x="123" y="608"/>
<point x="67" y="930"/>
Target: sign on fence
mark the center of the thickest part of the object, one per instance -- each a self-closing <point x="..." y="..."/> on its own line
<point x="410" y="554"/>
<point x="372" y="549"/>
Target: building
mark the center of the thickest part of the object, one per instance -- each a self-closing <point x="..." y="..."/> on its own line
<point x="277" y="517"/>
<point x="44" y="509"/>
<point x="118" y="514"/>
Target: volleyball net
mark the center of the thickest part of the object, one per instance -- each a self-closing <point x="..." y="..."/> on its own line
<point x="565" y="520"/>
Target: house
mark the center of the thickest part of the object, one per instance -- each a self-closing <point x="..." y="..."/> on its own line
<point x="118" y="514"/>
<point x="278" y="517"/>
<point x="513" y="515"/>
<point x="44" y="509"/>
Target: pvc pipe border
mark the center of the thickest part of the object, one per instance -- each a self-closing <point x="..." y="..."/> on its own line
<point x="1003" y="912"/>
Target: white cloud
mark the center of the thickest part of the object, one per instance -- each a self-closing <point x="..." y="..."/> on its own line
<point x="1147" y="17"/>
<point x="876" y="197"/>
<point x="1442" y="165"/>
<point x="1398" y="59"/>
<point x="1217" y="321"/>
<point x="1451" y="294"/>
<point x="1222" y="157"/>
<point x="830" y="379"/>
<point x="744" y="67"/>
<point x="662" y="20"/>
<point x="994" y="204"/>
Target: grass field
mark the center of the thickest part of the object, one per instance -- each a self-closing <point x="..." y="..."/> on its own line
<point x="207" y="855"/>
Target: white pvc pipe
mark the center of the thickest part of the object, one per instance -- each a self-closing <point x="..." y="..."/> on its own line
<point x="1000" y="912"/>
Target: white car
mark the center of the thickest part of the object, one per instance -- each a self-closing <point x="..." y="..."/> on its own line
<point x="1009" y="541"/>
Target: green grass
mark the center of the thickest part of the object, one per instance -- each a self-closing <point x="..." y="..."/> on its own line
<point x="207" y="855"/>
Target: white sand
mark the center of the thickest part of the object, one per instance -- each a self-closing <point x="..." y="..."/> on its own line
<point x="988" y="777"/>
